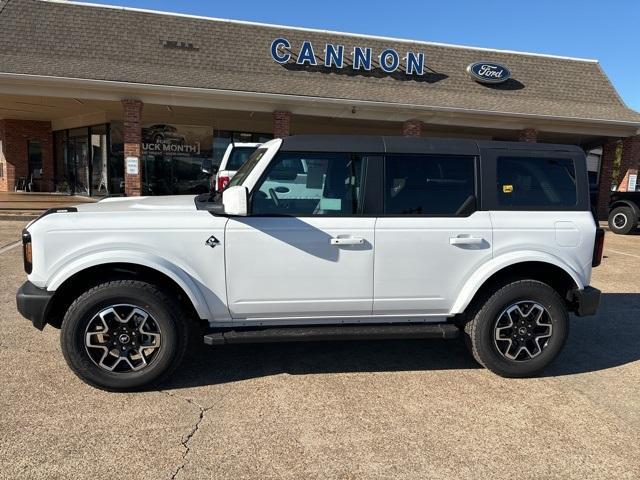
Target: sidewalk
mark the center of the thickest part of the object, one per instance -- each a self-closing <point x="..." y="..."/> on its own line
<point x="27" y="205"/>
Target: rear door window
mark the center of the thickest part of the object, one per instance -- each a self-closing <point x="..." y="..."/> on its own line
<point x="529" y="182"/>
<point x="429" y="184"/>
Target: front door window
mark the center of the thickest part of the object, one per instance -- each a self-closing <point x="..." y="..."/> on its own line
<point x="303" y="184"/>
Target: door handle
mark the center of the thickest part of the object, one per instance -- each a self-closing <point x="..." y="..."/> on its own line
<point x="346" y="241"/>
<point x="465" y="240"/>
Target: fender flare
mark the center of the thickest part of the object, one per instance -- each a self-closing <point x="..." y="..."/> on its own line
<point x="482" y="274"/>
<point x="70" y="267"/>
<point x="625" y="203"/>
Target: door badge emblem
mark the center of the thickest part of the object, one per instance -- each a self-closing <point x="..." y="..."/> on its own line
<point x="212" y="241"/>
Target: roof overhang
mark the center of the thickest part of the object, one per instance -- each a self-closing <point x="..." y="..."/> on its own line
<point x="49" y="86"/>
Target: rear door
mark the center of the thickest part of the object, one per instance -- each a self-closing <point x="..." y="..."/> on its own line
<point x="431" y="237"/>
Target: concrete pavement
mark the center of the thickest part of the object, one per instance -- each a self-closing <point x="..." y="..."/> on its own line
<point x="352" y="410"/>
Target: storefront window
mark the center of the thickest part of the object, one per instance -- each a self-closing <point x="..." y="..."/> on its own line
<point x="35" y="166"/>
<point x="83" y="160"/>
<point x="116" y="159"/>
<point x="176" y="159"/>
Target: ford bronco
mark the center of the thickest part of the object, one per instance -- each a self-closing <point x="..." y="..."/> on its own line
<point x="326" y="237"/>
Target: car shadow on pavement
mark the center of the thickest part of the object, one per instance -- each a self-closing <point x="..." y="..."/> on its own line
<point x="610" y="339"/>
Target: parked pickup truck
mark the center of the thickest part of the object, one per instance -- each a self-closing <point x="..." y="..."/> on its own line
<point x="326" y="237"/>
<point x="624" y="212"/>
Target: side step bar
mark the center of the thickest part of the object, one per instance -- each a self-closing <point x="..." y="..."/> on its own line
<point x="332" y="332"/>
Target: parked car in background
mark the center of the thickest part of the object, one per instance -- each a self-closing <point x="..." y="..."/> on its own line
<point x="326" y="237"/>
<point x="234" y="157"/>
<point x="624" y="212"/>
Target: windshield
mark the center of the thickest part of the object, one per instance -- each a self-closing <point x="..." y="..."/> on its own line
<point x="246" y="168"/>
<point x="238" y="156"/>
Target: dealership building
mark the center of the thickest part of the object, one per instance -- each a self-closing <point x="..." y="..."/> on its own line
<point x="98" y="100"/>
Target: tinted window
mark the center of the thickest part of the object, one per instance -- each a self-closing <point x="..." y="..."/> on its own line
<point x="238" y="156"/>
<point x="536" y="181"/>
<point x="428" y="185"/>
<point x="310" y="184"/>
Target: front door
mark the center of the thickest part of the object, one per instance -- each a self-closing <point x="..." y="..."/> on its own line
<point x="304" y="251"/>
<point x="431" y="238"/>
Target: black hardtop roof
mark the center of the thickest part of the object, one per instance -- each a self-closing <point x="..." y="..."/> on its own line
<point x="399" y="144"/>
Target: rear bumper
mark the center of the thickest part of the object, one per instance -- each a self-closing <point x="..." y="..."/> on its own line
<point x="33" y="303"/>
<point x="586" y="301"/>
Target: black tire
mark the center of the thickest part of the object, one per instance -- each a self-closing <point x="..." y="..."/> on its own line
<point x="622" y="220"/>
<point x="165" y="312"/>
<point x="484" y="320"/>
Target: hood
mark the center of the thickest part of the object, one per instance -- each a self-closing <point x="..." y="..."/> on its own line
<point x="172" y="203"/>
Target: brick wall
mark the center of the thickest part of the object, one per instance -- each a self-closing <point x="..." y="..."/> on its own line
<point x="606" y="178"/>
<point x="281" y="124"/>
<point x="412" y="128"/>
<point x="528" y="135"/>
<point x="132" y="136"/>
<point x="15" y="136"/>
<point x="630" y="159"/>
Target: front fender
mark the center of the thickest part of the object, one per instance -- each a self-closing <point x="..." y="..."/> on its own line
<point x="146" y="259"/>
<point x="481" y="275"/>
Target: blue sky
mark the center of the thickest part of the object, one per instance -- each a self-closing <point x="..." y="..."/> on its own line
<point x="605" y="30"/>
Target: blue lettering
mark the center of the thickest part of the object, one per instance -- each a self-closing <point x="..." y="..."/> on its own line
<point x="333" y="56"/>
<point x="361" y="58"/>
<point x="276" y="51"/>
<point x="415" y="63"/>
<point x="306" y="54"/>
<point x="389" y="55"/>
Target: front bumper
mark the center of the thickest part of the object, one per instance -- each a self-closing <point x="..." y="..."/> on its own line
<point x="586" y="301"/>
<point x="33" y="303"/>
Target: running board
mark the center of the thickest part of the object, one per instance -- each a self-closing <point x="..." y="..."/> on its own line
<point x="333" y="332"/>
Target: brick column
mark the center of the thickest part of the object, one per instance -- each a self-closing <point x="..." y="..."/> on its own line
<point x="15" y="136"/>
<point x="528" y="135"/>
<point x="281" y="124"/>
<point x="606" y="178"/>
<point x="412" y="128"/>
<point x="630" y="160"/>
<point x="132" y="136"/>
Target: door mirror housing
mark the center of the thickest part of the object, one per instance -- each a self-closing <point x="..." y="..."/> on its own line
<point x="236" y="201"/>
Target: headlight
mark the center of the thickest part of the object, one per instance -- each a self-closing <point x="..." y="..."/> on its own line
<point x="27" y="251"/>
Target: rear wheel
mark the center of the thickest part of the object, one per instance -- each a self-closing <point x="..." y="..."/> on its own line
<point x="622" y="220"/>
<point x="123" y="335"/>
<point x="519" y="330"/>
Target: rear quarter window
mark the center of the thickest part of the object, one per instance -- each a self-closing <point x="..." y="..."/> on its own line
<point x="528" y="182"/>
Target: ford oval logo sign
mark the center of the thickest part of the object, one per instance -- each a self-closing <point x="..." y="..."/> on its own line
<point x="488" y="72"/>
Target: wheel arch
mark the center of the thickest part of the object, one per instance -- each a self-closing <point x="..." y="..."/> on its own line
<point x="69" y="284"/>
<point x="554" y="273"/>
<point x="625" y="203"/>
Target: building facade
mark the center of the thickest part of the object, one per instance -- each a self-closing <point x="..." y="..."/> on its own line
<point x="98" y="100"/>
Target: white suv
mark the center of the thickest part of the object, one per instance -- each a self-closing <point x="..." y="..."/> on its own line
<point x="326" y="237"/>
<point x="234" y="157"/>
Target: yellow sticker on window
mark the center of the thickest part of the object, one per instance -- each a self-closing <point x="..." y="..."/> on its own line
<point x="507" y="188"/>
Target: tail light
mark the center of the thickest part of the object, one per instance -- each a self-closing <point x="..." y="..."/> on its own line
<point x="223" y="181"/>
<point x="598" y="247"/>
<point x="27" y="251"/>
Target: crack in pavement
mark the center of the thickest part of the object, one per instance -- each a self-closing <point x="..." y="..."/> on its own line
<point x="187" y="439"/>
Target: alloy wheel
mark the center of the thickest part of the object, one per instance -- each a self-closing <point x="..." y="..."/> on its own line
<point x="122" y="338"/>
<point x="522" y="331"/>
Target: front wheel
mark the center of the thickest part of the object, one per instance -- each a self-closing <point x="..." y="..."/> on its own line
<point x="123" y="335"/>
<point x="519" y="330"/>
<point x="622" y="220"/>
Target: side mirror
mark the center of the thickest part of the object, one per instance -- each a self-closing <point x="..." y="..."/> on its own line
<point x="235" y="201"/>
